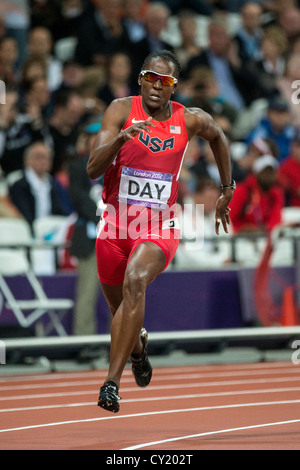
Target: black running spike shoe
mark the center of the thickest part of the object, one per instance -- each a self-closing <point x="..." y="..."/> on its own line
<point x="109" y="398"/>
<point x="141" y="366"/>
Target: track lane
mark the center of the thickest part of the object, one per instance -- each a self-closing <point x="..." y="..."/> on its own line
<point x="216" y="398"/>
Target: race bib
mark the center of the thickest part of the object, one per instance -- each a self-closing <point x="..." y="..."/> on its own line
<point x="146" y="188"/>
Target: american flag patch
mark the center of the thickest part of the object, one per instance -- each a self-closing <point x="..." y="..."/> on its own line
<point x="175" y="129"/>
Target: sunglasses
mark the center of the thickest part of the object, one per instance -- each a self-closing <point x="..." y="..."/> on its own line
<point x="166" y="80"/>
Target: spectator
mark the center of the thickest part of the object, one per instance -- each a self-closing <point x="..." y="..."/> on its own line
<point x="7" y="208"/>
<point x="234" y="80"/>
<point x="16" y="15"/>
<point x="133" y="18"/>
<point x="85" y="195"/>
<point x="18" y="131"/>
<point x="256" y="149"/>
<point x="85" y="82"/>
<point x="198" y="246"/>
<point x="72" y="75"/>
<point x="38" y="98"/>
<point x="101" y="33"/>
<point x="272" y="63"/>
<point x="156" y="21"/>
<point x="118" y="79"/>
<point x="187" y="24"/>
<point x="273" y="50"/>
<point x="32" y="69"/>
<point x="201" y="90"/>
<point x="9" y="73"/>
<point x="37" y="194"/>
<point x="64" y="125"/>
<point x="276" y="125"/>
<point x="248" y="36"/>
<point x="289" y="173"/>
<point x="206" y="165"/>
<point x="40" y="45"/>
<point x="289" y="20"/>
<point x="3" y="30"/>
<point x="258" y="201"/>
<point x="285" y="86"/>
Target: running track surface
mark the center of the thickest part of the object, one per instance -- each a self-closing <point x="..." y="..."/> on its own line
<point x="205" y="407"/>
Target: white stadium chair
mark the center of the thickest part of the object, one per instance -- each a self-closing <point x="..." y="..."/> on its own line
<point x="285" y="236"/>
<point x="15" y="240"/>
<point x="51" y="231"/>
<point x="291" y="215"/>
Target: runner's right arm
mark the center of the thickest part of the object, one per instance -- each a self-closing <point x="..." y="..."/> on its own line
<point x="111" y="137"/>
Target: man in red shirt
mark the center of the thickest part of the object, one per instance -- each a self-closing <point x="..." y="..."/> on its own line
<point x="289" y="173"/>
<point x="258" y="200"/>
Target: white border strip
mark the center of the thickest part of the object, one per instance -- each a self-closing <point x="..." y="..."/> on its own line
<point x="211" y="433"/>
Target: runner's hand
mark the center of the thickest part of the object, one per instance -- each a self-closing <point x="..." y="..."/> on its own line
<point x="138" y="127"/>
<point x="222" y="212"/>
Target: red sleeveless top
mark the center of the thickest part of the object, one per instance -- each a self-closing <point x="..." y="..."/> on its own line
<point x="145" y="171"/>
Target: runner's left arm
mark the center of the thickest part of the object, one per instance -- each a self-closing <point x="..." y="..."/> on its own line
<point x="203" y="125"/>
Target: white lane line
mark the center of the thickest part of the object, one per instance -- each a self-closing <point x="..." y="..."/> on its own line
<point x="57" y="385"/>
<point x="155" y="378"/>
<point x="231" y="393"/>
<point x="156" y="387"/>
<point x="154" y="413"/>
<point x="211" y="433"/>
<point x="234" y="369"/>
<point x="47" y="375"/>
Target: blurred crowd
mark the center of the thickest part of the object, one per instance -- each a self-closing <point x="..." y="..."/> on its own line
<point x="64" y="61"/>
